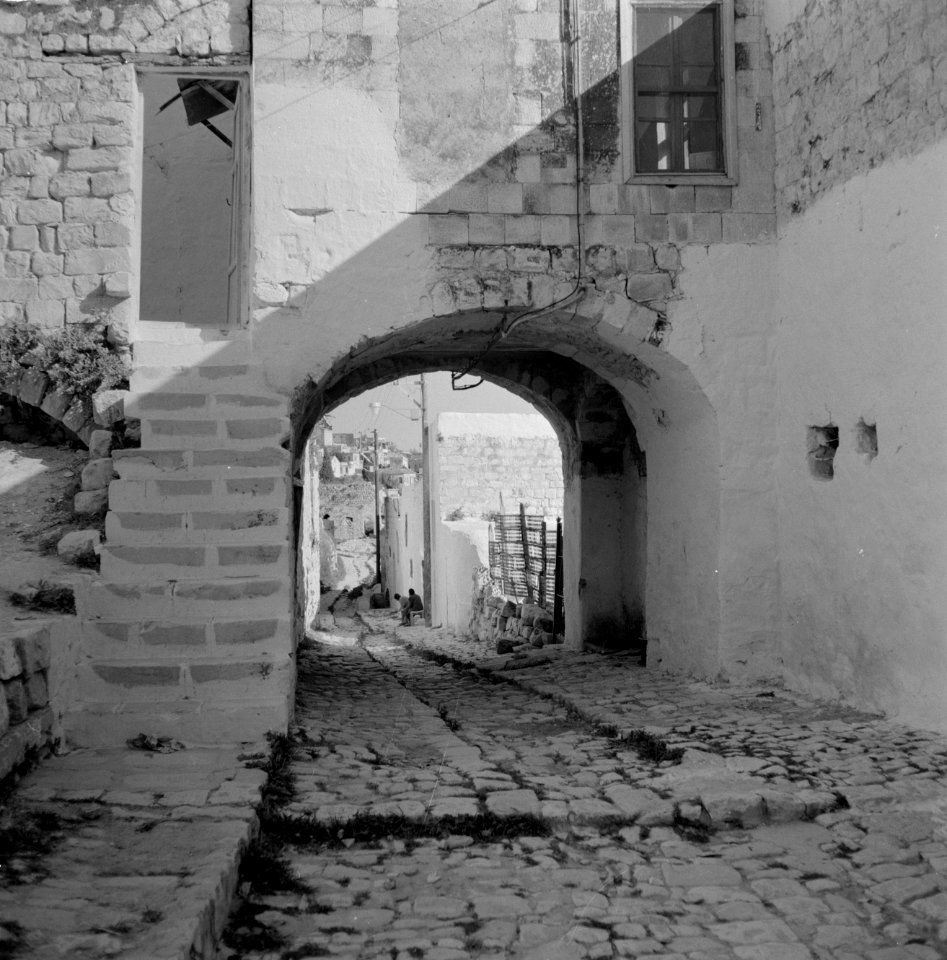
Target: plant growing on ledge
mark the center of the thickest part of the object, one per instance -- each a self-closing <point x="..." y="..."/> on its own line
<point x="77" y="360"/>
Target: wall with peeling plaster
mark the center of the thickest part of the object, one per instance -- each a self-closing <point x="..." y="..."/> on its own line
<point x="863" y="555"/>
<point x="861" y="118"/>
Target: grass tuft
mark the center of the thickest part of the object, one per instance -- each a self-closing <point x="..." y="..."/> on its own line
<point x="652" y="748"/>
<point x="44" y="595"/>
<point x="366" y="828"/>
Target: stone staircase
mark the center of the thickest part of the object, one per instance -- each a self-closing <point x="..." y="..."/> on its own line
<point x="188" y="632"/>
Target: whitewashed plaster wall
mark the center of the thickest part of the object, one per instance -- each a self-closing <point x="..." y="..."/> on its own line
<point x="403" y="541"/>
<point x="707" y="424"/>
<point x="461" y="548"/>
<point x="861" y="336"/>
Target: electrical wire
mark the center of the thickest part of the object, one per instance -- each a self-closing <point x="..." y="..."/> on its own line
<point x="504" y="329"/>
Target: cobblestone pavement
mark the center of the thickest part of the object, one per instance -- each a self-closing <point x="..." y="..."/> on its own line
<point x="570" y="806"/>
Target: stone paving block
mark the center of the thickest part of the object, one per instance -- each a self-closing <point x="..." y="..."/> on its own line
<point x="507" y="803"/>
<point x="700" y="874"/>
<point x="754" y="932"/>
<point x="773" y="951"/>
<point x="632" y="801"/>
<point x="905" y="889"/>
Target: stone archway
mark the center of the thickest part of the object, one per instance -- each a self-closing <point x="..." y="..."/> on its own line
<point x="608" y="405"/>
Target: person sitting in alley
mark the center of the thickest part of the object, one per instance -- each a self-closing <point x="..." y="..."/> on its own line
<point x="415" y="605"/>
<point x="404" y="605"/>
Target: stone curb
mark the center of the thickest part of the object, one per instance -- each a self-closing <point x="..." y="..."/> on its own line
<point x="163" y="885"/>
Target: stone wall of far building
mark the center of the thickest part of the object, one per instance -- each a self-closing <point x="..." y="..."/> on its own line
<point x="491" y="463"/>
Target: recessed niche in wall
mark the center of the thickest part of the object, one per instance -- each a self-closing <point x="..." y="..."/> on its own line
<point x="821" y="444"/>
<point x="866" y="440"/>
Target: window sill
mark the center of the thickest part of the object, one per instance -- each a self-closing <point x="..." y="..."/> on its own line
<point x="685" y="179"/>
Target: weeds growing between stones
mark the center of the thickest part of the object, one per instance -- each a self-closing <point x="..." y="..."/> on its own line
<point x="43" y="595"/>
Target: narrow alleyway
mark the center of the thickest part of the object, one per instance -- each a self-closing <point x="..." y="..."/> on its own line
<point x="434" y="805"/>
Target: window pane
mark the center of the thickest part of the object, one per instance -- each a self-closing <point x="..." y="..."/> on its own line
<point x="699" y="76"/>
<point x="696" y="38"/>
<point x="653" y="147"/>
<point x="652" y="78"/>
<point x="676" y="51"/>
<point x="700" y="146"/>
<point x="653" y="37"/>
<point x="700" y="108"/>
<point x="654" y="108"/>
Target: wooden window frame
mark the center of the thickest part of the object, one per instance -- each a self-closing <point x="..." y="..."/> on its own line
<point x="728" y="111"/>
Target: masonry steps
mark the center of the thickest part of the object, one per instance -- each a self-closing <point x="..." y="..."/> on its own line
<point x="205" y="463"/>
<point x="201" y="404"/>
<point x="232" y="378"/>
<point x="132" y="562"/>
<point x="191" y="617"/>
<point x="198" y="353"/>
<point x="124" y="600"/>
<point x="225" y="637"/>
<point x="180" y="494"/>
<point x="207" y="434"/>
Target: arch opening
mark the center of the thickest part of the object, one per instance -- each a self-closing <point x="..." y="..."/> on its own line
<point x="605" y="495"/>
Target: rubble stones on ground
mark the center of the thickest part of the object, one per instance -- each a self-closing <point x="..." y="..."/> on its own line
<point x="79" y="545"/>
<point x="512" y="625"/>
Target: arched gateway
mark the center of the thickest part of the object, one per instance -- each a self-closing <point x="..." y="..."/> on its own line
<point x="192" y="629"/>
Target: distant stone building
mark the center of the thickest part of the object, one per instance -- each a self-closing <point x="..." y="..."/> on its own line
<point x="483" y="464"/>
<point x="705" y="240"/>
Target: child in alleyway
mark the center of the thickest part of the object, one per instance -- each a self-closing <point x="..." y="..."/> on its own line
<point x="404" y="606"/>
<point x="415" y="604"/>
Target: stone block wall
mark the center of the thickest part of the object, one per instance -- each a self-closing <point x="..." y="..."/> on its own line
<point x="497" y="186"/>
<point x="68" y="120"/>
<point x="508" y="231"/>
<point x="26" y="719"/>
<point x="856" y="83"/>
<point x="491" y="464"/>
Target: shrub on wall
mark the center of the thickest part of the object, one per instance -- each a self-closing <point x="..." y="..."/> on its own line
<point x="77" y="360"/>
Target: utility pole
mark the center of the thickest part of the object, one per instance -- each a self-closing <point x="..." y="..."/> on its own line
<point x="426" y="497"/>
<point x="377" y="516"/>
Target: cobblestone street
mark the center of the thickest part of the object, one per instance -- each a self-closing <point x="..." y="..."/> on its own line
<point x="441" y="802"/>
